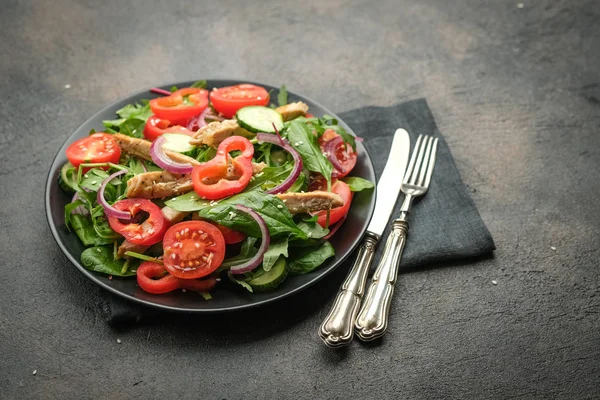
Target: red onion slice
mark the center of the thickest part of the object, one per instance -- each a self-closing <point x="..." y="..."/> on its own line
<point x="109" y="210"/>
<point x="212" y="116"/>
<point x="81" y="210"/>
<point x="162" y="160"/>
<point x="264" y="245"/>
<point x="198" y="121"/>
<point x="289" y="181"/>
<point x="330" y="148"/>
<point x="160" y="91"/>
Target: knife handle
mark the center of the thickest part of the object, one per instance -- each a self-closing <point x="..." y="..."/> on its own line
<point x="372" y="321"/>
<point x="337" y="329"/>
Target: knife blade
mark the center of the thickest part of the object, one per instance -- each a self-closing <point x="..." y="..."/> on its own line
<point x="388" y="187"/>
<point x="338" y="327"/>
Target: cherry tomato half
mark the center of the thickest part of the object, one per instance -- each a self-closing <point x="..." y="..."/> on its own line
<point x="156" y="126"/>
<point x="344" y="153"/>
<point x="337" y="213"/>
<point x="97" y="148"/>
<point x="154" y="278"/>
<point x="193" y="249"/>
<point x="228" y="100"/>
<point x="147" y="225"/>
<point x="181" y="105"/>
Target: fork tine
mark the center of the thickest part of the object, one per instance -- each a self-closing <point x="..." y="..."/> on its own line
<point x="431" y="163"/>
<point x="411" y="163"/>
<point x="423" y="167"/>
<point x="415" y="173"/>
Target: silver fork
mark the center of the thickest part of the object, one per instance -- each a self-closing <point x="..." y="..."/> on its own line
<point x="372" y="320"/>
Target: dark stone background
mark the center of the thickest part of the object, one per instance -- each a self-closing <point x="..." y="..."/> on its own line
<point x="514" y="89"/>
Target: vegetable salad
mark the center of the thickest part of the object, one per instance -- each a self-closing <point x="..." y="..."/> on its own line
<point x="196" y="185"/>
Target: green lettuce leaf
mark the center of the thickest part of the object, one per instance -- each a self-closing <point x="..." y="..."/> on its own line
<point x="357" y="184"/>
<point x="308" y="259"/>
<point x="302" y="139"/>
<point x="101" y="259"/>
<point x="276" y="248"/>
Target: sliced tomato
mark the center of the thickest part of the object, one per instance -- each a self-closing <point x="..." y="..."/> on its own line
<point x="147" y="225"/>
<point x="154" y="278"/>
<point x="231" y="236"/>
<point x="319" y="183"/>
<point x="181" y="105"/>
<point x="156" y="126"/>
<point x="193" y="249"/>
<point x="223" y="175"/>
<point x="228" y="100"/>
<point x="344" y="153"/>
<point x="337" y="213"/>
<point x="97" y="148"/>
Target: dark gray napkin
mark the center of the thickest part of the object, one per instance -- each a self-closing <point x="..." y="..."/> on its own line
<point x="444" y="224"/>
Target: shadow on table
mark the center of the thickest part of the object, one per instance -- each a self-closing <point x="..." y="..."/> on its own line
<point x="247" y="325"/>
<point x="260" y="323"/>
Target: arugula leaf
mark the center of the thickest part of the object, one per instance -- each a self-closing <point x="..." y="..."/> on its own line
<point x="69" y="208"/>
<point x="135" y="110"/>
<point x="136" y="166"/>
<point x="247" y="251"/>
<point x="131" y="121"/>
<point x="302" y="139"/>
<point x="101" y="259"/>
<point x="199" y="84"/>
<point x="206" y="153"/>
<point x="241" y="283"/>
<point x="187" y="202"/>
<point x="270" y="177"/>
<point x="357" y="184"/>
<point x="84" y="229"/>
<point x="300" y="184"/>
<point x="271" y="208"/>
<point x="276" y="248"/>
<point x="312" y="229"/>
<point x="92" y="179"/>
<point x="320" y="125"/>
<point x="309" y="259"/>
<point x="282" y="97"/>
<point x="101" y="226"/>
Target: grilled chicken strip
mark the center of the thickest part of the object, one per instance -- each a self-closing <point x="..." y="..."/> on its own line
<point x="173" y="216"/>
<point x="308" y="202"/>
<point x="292" y="110"/>
<point x="141" y="148"/>
<point x="158" y="185"/>
<point x="215" y="132"/>
<point x="162" y="184"/>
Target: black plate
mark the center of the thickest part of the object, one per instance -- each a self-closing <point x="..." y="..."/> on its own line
<point x="226" y="296"/>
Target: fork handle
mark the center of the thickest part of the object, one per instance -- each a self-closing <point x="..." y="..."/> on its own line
<point x="337" y="329"/>
<point x="372" y="321"/>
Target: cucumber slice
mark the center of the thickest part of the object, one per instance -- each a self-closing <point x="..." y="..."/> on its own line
<point x="178" y="142"/>
<point x="271" y="279"/>
<point x="66" y="179"/>
<point x="259" y="119"/>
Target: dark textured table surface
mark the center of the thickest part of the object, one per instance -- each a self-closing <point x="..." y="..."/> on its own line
<point x="515" y="89"/>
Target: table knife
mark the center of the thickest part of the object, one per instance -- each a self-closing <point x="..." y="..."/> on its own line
<point x="338" y="328"/>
